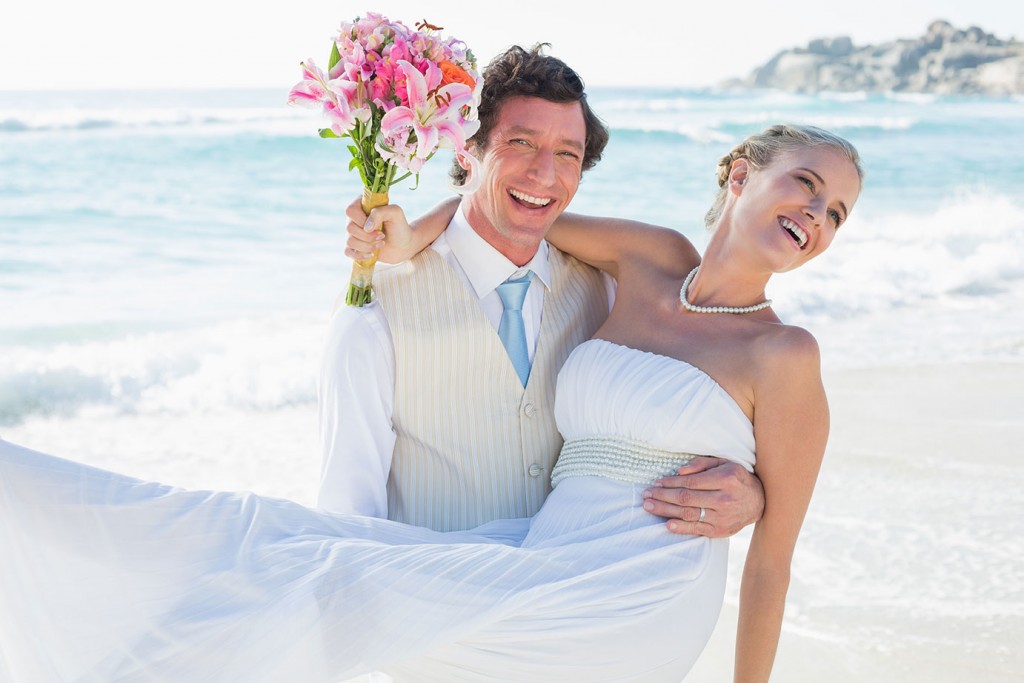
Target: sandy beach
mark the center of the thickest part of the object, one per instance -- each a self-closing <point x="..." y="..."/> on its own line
<point x="909" y="565"/>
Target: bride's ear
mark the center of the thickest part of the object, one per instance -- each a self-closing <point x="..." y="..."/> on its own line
<point x="738" y="175"/>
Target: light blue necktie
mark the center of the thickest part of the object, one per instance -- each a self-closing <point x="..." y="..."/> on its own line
<point x="511" y="329"/>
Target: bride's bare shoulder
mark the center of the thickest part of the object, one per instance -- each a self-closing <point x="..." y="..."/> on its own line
<point x="782" y="350"/>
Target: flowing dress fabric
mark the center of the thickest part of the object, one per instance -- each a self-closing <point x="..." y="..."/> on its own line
<point x="108" y="578"/>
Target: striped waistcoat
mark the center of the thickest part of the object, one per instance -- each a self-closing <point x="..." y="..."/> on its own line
<point x="473" y="444"/>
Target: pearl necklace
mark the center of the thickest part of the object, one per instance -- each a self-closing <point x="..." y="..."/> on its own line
<point x="715" y="309"/>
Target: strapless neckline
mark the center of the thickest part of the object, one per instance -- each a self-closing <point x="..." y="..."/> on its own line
<point x="686" y="365"/>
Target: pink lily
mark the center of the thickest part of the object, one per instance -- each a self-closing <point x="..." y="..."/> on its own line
<point x="312" y="89"/>
<point x="338" y="97"/>
<point x="433" y="112"/>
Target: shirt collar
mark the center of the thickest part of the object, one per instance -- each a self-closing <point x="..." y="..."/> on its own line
<point x="485" y="266"/>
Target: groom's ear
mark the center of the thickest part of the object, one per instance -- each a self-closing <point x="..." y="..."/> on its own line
<point x="463" y="162"/>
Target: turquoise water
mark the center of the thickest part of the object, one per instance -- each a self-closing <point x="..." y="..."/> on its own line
<point x="149" y="221"/>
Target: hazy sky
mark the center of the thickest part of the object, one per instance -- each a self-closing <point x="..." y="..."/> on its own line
<point x="62" y="44"/>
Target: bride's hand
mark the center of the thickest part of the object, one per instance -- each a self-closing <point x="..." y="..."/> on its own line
<point x="385" y="228"/>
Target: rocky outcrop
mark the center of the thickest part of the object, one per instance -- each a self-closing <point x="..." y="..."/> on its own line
<point x="944" y="61"/>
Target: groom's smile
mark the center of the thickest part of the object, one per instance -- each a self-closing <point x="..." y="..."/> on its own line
<point x="530" y="201"/>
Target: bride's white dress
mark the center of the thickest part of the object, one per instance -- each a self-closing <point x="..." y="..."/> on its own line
<point x="107" y="578"/>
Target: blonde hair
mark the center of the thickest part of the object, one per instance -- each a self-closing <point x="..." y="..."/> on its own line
<point x="764" y="147"/>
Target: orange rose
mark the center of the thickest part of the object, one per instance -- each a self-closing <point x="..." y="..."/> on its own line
<point x="453" y="73"/>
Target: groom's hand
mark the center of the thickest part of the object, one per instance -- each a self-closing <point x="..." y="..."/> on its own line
<point x="385" y="228"/>
<point x="730" y="496"/>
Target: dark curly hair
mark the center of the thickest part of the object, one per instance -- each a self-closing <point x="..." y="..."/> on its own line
<point x="521" y="73"/>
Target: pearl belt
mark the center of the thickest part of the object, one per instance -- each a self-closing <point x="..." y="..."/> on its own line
<point x="629" y="460"/>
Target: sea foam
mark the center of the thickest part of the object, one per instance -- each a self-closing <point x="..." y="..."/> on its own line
<point x="246" y="364"/>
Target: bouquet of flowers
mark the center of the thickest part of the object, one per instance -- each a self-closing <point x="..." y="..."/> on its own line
<point x="399" y="95"/>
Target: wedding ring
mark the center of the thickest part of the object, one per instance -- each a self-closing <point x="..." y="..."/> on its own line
<point x="701" y="518"/>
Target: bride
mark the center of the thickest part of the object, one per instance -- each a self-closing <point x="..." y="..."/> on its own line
<point x="107" y="578"/>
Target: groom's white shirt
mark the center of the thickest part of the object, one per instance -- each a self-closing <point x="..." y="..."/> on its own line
<point x="357" y="376"/>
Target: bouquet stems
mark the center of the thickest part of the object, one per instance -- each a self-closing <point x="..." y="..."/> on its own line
<point x="360" y="285"/>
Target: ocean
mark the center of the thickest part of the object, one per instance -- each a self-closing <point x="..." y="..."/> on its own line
<point x="169" y="260"/>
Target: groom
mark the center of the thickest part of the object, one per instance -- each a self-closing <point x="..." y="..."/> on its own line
<point x="431" y="418"/>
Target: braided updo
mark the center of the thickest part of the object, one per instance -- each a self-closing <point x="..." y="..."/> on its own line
<point x="764" y="147"/>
